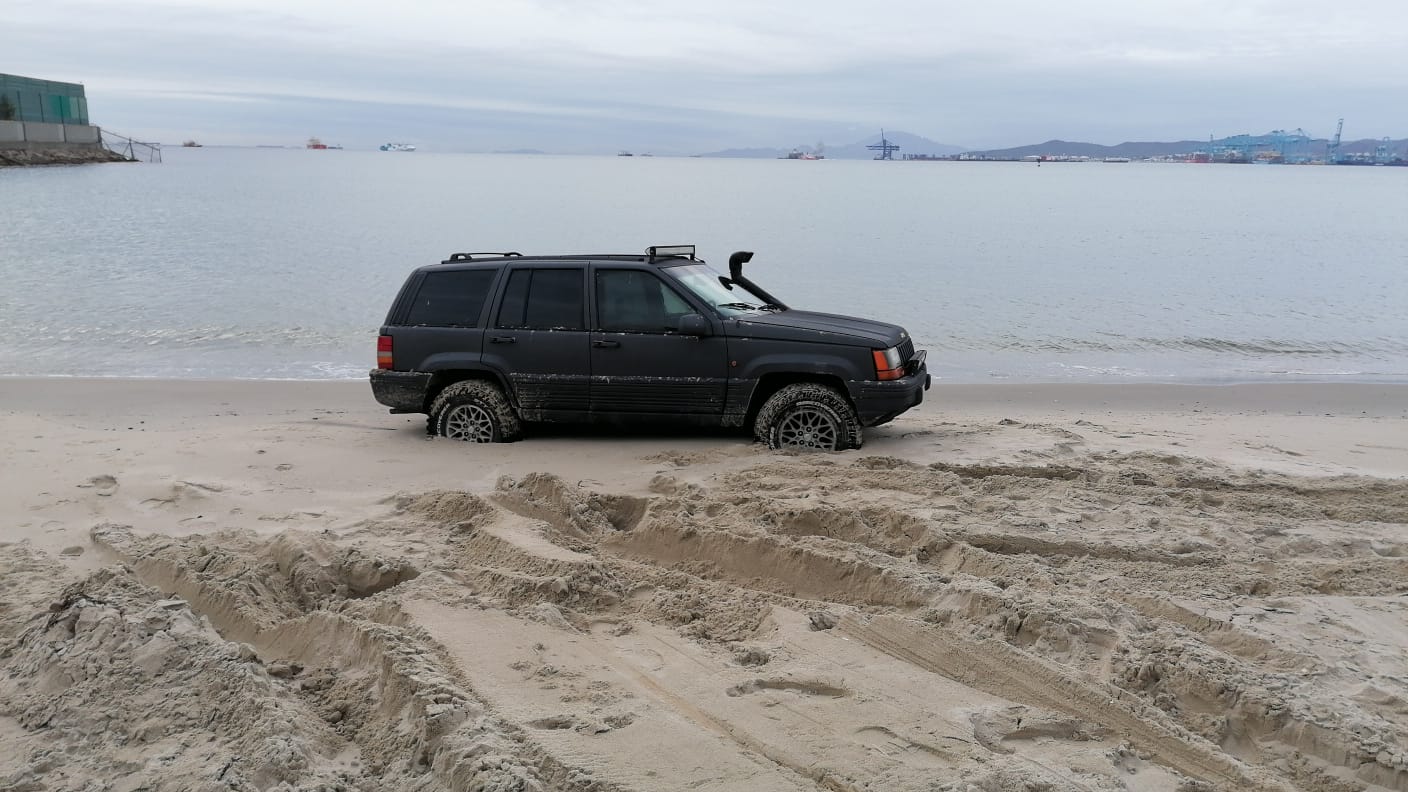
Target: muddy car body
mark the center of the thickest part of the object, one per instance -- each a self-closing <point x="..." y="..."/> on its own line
<point x="482" y="343"/>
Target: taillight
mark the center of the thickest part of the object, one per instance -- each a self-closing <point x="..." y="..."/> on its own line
<point x="888" y="365"/>
<point x="383" y="352"/>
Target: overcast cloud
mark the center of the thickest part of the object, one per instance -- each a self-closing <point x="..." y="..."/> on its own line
<point x="673" y="77"/>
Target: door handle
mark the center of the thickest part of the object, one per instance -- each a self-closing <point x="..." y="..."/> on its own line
<point x="606" y="344"/>
<point x="503" y="340"/>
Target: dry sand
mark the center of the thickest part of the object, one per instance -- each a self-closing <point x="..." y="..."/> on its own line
<point x="277" y="586"/>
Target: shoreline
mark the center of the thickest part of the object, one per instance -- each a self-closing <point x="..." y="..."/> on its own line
<point x="1307" y="428"/>
<point x="1387" y="399"/>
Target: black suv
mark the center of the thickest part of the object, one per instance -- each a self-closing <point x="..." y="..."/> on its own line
<point x="482" y="342"/>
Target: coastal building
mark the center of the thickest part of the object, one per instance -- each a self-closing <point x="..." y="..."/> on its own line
<point x="29" y="100"/>
<point x="45" y="122"/>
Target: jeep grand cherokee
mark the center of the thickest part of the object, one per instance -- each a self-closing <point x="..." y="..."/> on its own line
<point x="482" y="343"/>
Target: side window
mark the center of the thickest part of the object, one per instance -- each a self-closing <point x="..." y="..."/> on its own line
<point x="635" y="301"/>
<point x="543" y="299"/>
<point x="451" y="299"/>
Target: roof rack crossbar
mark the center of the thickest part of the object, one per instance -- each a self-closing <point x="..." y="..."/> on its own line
<point x="470" y="256"/>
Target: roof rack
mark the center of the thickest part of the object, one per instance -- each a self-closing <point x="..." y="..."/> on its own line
<point x="470" y="256"/>
<point x="665" y="251"/>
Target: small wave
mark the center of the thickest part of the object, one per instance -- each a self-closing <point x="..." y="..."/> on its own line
<point x="1262" y="346"/>
<point x="1387" y="348"/>
<point x="215" y="336"/>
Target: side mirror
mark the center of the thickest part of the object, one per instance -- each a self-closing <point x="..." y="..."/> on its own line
<point x="694" y="325"/>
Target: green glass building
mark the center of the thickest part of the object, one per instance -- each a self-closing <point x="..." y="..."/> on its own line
<point x="41" y="101"/>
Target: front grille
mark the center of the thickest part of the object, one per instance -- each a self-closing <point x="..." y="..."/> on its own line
<point x="906" y="349"/>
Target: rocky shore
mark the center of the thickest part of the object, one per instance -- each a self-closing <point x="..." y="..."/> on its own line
<point x="57" y="155"/>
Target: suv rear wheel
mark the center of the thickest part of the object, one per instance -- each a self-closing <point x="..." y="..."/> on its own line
<point x="808" y="416"/>
<point x="475" y="411"/>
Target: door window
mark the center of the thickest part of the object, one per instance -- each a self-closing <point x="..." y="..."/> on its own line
<point x="634" y="301"/>
<point x="543" y="299"/>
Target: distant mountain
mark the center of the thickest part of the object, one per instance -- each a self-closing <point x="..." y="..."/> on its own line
<point x="1146" y="149"/>
<point x="1133" y="150"/>
<point x="1369" y="145"/>
<point x="909" y="145"/>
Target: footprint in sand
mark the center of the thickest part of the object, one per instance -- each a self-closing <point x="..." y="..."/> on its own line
<point x="104" y="485"/>
<point x="554" y="722"/>
<point x="885" y="741"/>
<point x="805" y="687"/>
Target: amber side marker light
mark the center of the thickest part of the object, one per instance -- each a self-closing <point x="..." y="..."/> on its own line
<point x="888" y="365"/>
<point x="383" y="352"/>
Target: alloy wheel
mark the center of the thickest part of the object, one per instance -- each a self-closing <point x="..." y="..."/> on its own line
<point x="808" y="427"/>
<point x="470" y="423"/>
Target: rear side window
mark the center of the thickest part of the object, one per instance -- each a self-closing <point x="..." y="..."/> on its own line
<point x="543" y="299"/>
<point x="451" y="299"/>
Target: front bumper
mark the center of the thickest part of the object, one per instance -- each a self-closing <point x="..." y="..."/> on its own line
<point x="402" y="391"/>
<point x="879" y="402"/>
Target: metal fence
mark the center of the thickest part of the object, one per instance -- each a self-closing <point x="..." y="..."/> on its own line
<point x="132" y="150"/>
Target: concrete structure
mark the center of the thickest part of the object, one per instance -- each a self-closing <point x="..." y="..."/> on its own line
<point x="46" y="122"/>
<point x="13" y="133"/>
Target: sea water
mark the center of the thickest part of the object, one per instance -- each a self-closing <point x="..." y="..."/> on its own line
<point x="281" y="263"/>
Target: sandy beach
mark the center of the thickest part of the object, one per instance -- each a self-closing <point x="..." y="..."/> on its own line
<point x="212" y="585"/>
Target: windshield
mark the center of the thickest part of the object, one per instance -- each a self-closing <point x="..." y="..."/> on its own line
<point x="706" y="284"/>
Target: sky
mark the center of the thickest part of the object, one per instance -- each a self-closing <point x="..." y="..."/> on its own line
<point x="669" y="77"/>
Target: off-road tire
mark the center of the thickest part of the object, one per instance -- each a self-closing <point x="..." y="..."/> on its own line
<point x="474" y="411"/>
<point x="808" y="416"/>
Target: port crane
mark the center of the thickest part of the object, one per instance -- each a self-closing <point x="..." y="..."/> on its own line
<point x="1236" y="148"/>
<point x="1332" y="151"/>
<point x="1290" y="145"/>
<point x="885" y="147"/>
<point x="1382" y="154"/>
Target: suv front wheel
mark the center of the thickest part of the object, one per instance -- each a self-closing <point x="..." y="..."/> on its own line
<point x="475" y="411"/>
<point x="808" y="416"/>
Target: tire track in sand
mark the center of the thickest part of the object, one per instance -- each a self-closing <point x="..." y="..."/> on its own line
<point x="1000" y="670"/>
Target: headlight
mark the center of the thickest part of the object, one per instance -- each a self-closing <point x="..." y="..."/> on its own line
<point x="888" y="365"/>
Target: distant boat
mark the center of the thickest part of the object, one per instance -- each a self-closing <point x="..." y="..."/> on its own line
<point x="625" y="154"/>
<point x="397" y="147"/>
<point x="798" y="154"/>
<point x="314" y="143"/>
<point x="190" y="144"/>
<point x="1117" y="159"/>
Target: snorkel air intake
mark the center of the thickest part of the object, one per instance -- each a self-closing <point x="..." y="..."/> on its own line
<point x="735" y="274"/>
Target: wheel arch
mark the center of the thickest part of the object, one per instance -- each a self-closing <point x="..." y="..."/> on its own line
<point x="444" y="378"/>
<point x="771" y="383"/>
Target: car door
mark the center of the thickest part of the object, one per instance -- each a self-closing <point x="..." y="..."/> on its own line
<point x="539" y="341"/>
<point x="640" y="362"/>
